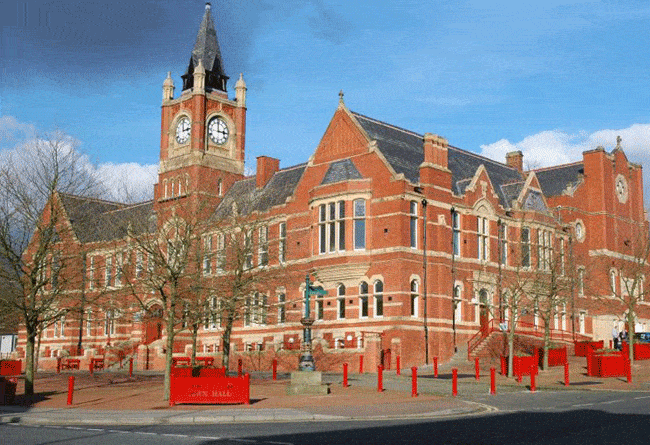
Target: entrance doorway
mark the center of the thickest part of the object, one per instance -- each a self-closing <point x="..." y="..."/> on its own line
<point x="153" y="324"/>
<point x="484" y="311"/>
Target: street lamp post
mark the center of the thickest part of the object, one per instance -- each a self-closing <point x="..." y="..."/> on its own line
<point x="307" y="362"/>
<point x="424" y="281"/>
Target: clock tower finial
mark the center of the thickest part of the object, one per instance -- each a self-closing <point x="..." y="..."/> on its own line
<point x="206" y="49"/>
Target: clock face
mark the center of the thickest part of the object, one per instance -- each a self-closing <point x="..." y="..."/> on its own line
<point x="183" y="129"/>
<point x="218" y="130"/>
<point x="621" y="188"/>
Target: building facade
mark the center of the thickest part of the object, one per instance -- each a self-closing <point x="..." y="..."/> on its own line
<point x="415" y="241"/>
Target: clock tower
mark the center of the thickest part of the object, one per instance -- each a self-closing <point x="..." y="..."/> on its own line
<point x="203" y="131"/>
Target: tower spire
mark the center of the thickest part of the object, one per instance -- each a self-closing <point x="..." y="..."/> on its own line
<point x="206" y="49"/>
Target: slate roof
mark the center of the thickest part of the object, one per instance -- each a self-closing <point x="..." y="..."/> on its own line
<point x="96" y="220"/>
<point x="248" y="198"/>
<point x="341" y="171"/>
<point x="554" y="180"/>
<point x="404" y="152"/>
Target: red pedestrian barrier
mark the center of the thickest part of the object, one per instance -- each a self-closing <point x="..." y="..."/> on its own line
<point x="414" y="381"/>
<point x="397" y="363"/>
<point x="476" y="368"/>
<point x="532" y="380"/>
<point x="211" y="390"/>
<point x="566" y="374"/>
<point x="275" y="369"/>
<point x="58" y="365"/>
<point x="380" y="378"/>
<point x="345" y="375"/>
<point x="454" y="382"/>
<point x="10" y="367"/>
<point x="131" y="367"/>
<point x="361" y="364"/>
<point x="493" y="383"/>
<point x="239" y="367"/>
<point x="435" y="367"/>
<point x="70" y="389"/>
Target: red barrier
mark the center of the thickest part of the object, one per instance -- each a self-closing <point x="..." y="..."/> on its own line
<point x="611" y="346"/>
<point x="210" y="390"/>
<point x="70" y="389"/>
<point x="556" y="356"/>
<point x="414" y="381"/>
<point x="380" y="378"/>
<point x="131" y="367"/>
<point x="239" y="367"/>
<point x="493" y="380"/>
<point x="435" y="367"/>
<point x="454" y="382"/>
<point x="275" y="369"/>
<point x="361" y="364"/>
<point x="628" y="367"/>
<point x="206" y="361"/>
<point x="532" y="380"/>
<point x="181" y="361"/>
<point x="10" y="367"/>
<point x="70" y="363"/>
<point x="345" y="375"/>
<point x="476" y="368"/>
<point x="583" y="347"/>
<point x="95" y="364"/>
<point x="397" y="363"/>
<point x="58" y="365"/>
<point x="566" y="374"/>
<point x="641" y="350"/>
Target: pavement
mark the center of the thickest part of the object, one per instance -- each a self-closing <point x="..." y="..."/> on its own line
<point x="110" y="398"/>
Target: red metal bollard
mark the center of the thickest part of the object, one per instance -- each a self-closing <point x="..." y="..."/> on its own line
<point x="435" y="367"/>
<point x="91" y="367"/>
<point x="345" y="375"/>
<point x="58" y="365"/>
<point x="414" y="381"/>
<point x="275" y="369"/>
<point x="454" y="382"/>
<point x="361" y="364"/>
<point x="566" y="374"/>
<point x="397" y="363"/>
<point x="380" y="378"/>
<point x="532" y="379"/>
<point x="476" y="368"/>
<point x="239" y="367"/>
<point x="70" y="389"/>
<point x="611" y="346"/>
<point x="493" y="383"/>
<point x="628" y="365"/>
<point x="131" y="367"/>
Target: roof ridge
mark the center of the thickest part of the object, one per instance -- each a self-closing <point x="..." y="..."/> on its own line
<point x="554" y="167"/>
<point x="413" y="133"/>
<point x="479" y="156"/>
<point x="91" y="198"/>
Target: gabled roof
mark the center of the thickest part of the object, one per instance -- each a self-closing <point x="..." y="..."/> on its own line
<point x="555" y="180"/>
<point x="404" y="151"/>
<point x="248" y="198"/>
<point x="341" y="171"/>
<point x="96" y="220"/>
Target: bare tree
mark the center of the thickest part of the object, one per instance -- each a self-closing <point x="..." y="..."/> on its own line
<point x="626" y="275"/>
<point x="514" y="286"/>
<point x="38" y="273"/>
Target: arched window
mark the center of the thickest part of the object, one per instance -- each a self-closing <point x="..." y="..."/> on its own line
<point x="413" y="223"/>
<point x="458" y="303"/>
<point x="379" y="298"/>
<point x="415" y="297"/>
<point x="220" y="187"/>
<point x="363" y="299"/>
<point x="340" y="301"/>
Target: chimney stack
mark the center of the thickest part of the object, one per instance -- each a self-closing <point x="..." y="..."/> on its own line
<point x="515" y="159"/>
<point x="266" y="168"/>
<point x="435" y="150"/>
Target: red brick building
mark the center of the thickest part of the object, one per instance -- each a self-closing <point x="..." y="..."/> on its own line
<point x="355" y="216"/>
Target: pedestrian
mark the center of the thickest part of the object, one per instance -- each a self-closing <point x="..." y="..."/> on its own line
<point x="615" y="336"/>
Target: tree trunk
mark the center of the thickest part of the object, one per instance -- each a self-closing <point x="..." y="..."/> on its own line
<point x="169" y="351"/>
<point x="225" y="356"/>
<point x="195" y="333"/>
<point x="630" y="334"/>
<point x="547" y="343"/>
<point x="29" y="364"/>
<point x="511" y="348"/>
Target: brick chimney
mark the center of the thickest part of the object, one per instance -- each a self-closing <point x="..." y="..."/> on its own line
<point x="266" y="168"/>
<point x="515" y="159"/>
<point x="435" y="150"/>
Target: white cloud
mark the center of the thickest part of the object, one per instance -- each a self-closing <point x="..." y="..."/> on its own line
<point x="129" y="182"/>
<point x="12" y="131"/>
<point x="555" y="147"/>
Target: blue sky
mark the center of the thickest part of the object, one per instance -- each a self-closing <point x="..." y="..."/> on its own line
<point x="552" y="78"/>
